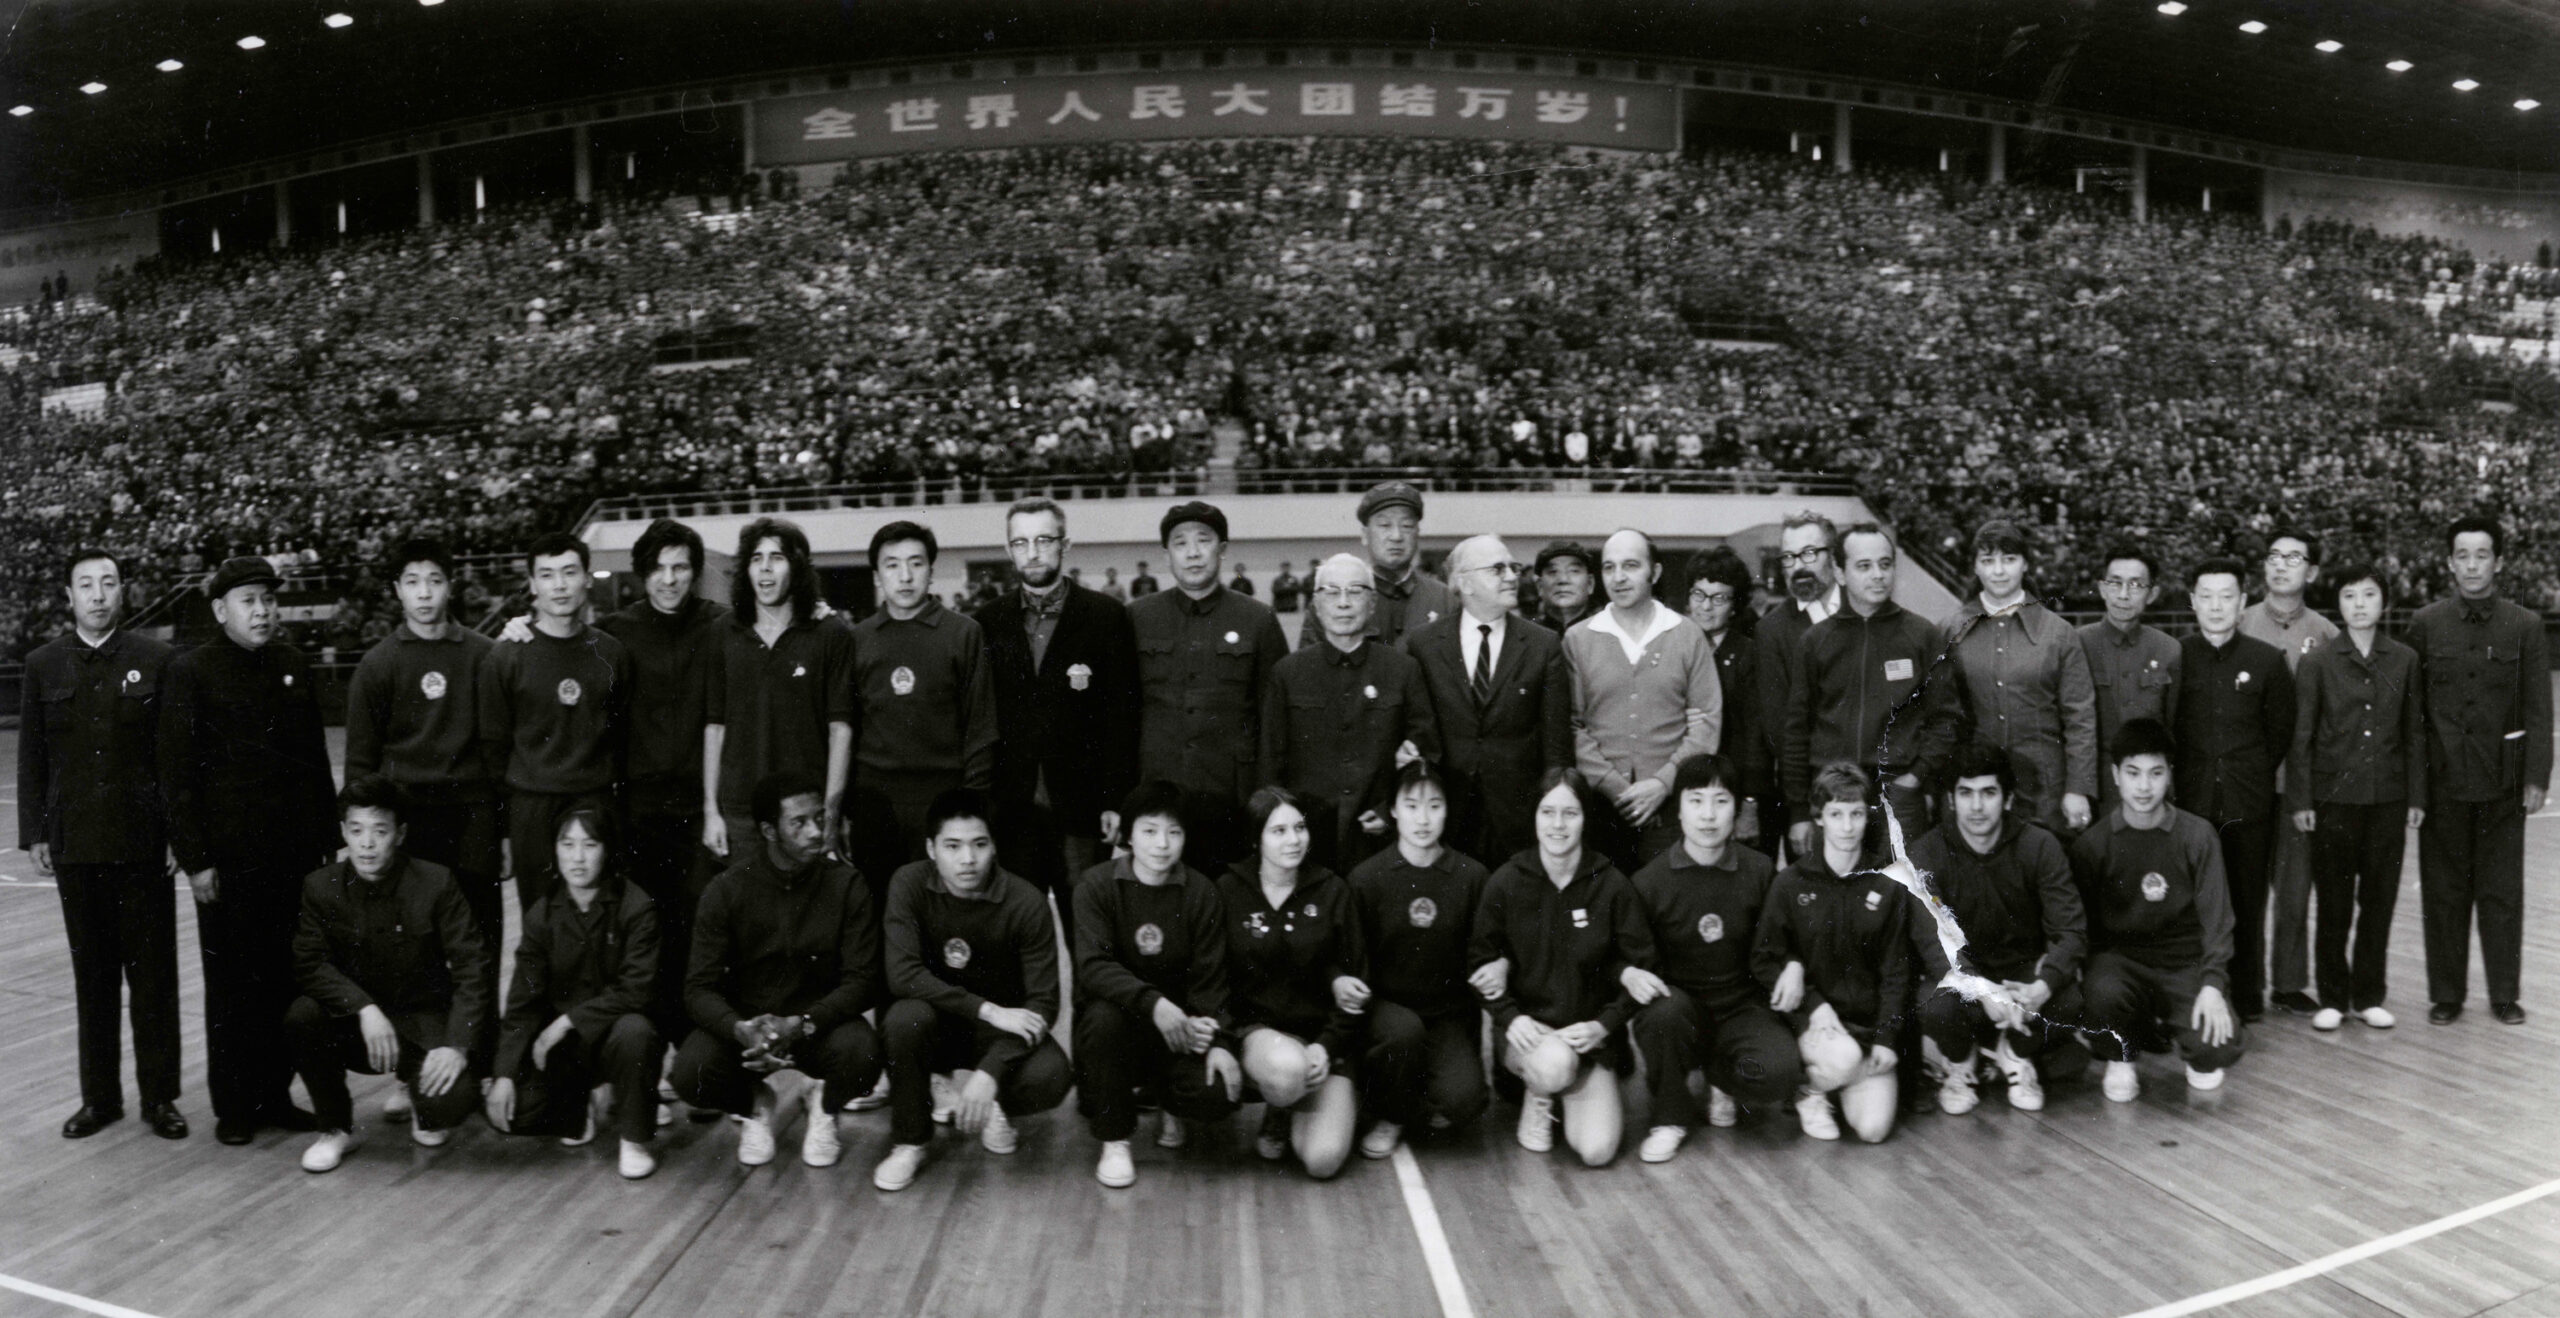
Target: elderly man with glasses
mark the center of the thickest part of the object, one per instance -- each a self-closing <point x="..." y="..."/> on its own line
<point x="1340" y="717"/>
<point x="1503" y="699"/>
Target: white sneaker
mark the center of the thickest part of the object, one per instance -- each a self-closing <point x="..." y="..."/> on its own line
<point x="637" y="1162"/>
<point x="1172" y="1134"/>
<point x="878" y="1098"/>
<point x="2328" y="1018"/>
<point x="1271" y="1144"/>
<point x="1117" y="1169"/>
<point x="998" y="1135"/>
<point x="1537" y="1122"/>
<point x="1813" y="1112"/>
<point x="2377" y="1018"/>
<point x="820" y="1145"/>
<point x="433" y="1139"/>
<point x="2204" y="1080"/>
<point x="1661" y="1142"/>
<point x="1722" y="1111"/>
<point x="1955" y="1090"/>
<point x="755" y="1131"/>
<point x="2122" y="1084"/>
<point x="898" y="1170"/>
<point x="330" y="1149"/>
<point x="2026" y="1088"/>
<point x="1381" y="1141"/>
<point x="399" y="1108"/>
<point x="946" y="1098"/>
<point x="584" y="1138"/>
<point x="666" y="1115"/>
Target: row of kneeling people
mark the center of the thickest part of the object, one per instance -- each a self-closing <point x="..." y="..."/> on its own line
<point x="1338" y="1002"/>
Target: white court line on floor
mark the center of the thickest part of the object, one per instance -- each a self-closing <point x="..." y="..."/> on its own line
<point x="2358" y="1253"/>
<point x="67" y="1299"/>
<point x="1435" y="1243"/>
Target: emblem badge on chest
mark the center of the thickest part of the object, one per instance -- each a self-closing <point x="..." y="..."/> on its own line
<point x="1080" y="677"/>
<point x="1422" y="912"/>
<point x="431" y="685"/>
<point x="955" y="954"/>
<point x="2154" y="887"/>
<point x="570" y="691"/>
<point x="1150" y="940"/>
<point x="1581" y="917"/>
<point x="902" y="680"/>
<point x="1256" y="925"/>
<point x="1875" y="899"/>
<point x="1711" y="928"/>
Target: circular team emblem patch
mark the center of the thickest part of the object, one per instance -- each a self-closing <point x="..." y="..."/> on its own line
<point x="2154" y="887"/>
<point x="1150" y="940"/>
<point x="1711" y="928"/>
<point x="1311" y="910"/>
<point x="955" y="954"/>
<point x="902" y="680"/>
<point x="570" y="691"/>
<point x="1233" y="638"/>
<point x="132" y="676"/>
<point x="1257" y="925"/>
<point x="433" y="685"/>
<point x="1804" y="899"/>
<point x="1422" y="912"/>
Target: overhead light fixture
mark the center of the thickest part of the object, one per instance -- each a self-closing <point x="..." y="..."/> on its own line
<point x="2466" y="84"/>
<point x="2399" y="66"/>
<point x="21" y="111"/>
<point x="2328" y="47"/>
<point x="93" y="87"/>
<point x="2253" y="27"/>
<point x="168" y="66"/>
<point x="339" y="20"/>
<point x="250" y="43"/>
<point x="2528" y="103"/>
<point x="2172" y="8"/>
<point x="429" y="4"/>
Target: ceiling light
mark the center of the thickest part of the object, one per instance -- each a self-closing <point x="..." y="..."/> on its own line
<point x="2527" y="103"/>
<point x="93" y="88"/>
<point x="2253" y="27"/>
<point x="2327" y="47"/>
<point x="2399" y="66"/>
<point x="168" y="66"/>
<point x="2172" y="8"/>
<point x="339" y="20"/>
<point x="21" y="111"/>
<point x="429" y="4"/>
<point x="2466" y="84"/>
<point x="250" y="43"/>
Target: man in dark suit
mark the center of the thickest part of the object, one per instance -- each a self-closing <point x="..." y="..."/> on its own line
<point x="1500" y="735"/>
<point x="2235" y="725"/>
<point x="1065" y="667"/>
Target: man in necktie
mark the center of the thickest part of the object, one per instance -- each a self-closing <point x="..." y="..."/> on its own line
<point x="1503" y="699"/>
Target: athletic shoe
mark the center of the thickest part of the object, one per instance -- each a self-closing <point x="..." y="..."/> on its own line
<point x="1172" y="1134"/>
<point x="898" y="1170"/>
<point x="946" y="1097"/>
<point x="1537" y="1122"/>
<point x="1955" y="1090"/>
<point x="2377" y="1018"/>
<point x="1813" y="1112"/>
<point x="1117" y="1169"/>
<point x="636" y="1161"/>
<point x="584" y="1137"/>
<point x="433" y="1139"/>
<point x="755" y="1131"/>
<point x="2328" y="1018"/>
<point x="399" y="1108"/>
<point x="1381" y="1141"/>
<point x="2295" y="1002"/>
<point x="330" y="1149"/>
<point x="2204" y="1080"/>
<point x="666" y="1115"/>
<point x="1661" y="1142"/>
<point x="820" y="1145"/>
<point x="1722" y="1111"/>
<point x="877" y="1098"/>
<point x="2026" y="1088"/>
<point x="2123" y="1084"/>
<point x="998" y="1135"/>
<point x="1272" y="1143"/>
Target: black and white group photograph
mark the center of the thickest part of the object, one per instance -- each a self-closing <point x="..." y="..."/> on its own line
<point x="1279" y="658"/>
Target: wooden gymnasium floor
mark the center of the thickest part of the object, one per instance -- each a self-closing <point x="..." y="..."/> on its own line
<point x="2319" y="1145"/>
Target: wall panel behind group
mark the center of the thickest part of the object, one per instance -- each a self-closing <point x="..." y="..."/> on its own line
<point x="81" y="251"/>
<point x="2512" y="225"/>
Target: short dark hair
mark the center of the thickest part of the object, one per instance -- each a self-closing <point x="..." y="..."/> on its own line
<point x="1981" y="759"/>
<point x="958" y="803"/>
<point x="1575" y="781"/>
<point x="2348" y="574"/>
<point x="2124" y="551"/>
<point x="1419" y="773"/>
<point x="2000" y="536"/>
<point x="1841" y="783"/>
<point x="2481" y="523"/>
<point x="597" y="821"/>
<point x="374" y="791"/>
<point x="664" y="534"/>
<point x="900" y="532"/>
<point x="1840" y="542"/>
<point x="1263" y="804"/>
<point x="87" y="554"/>
<point x="795" y="550"/>
<point x="2142" y="736"/>
<point x="551" y="545"/>
<point x="1712" y="769"/>
<point x="2214" y="567"/>
<point x="420" y="549"/>
<point x="1724" y="567"/>
<point x="1155" y="796"/>
<point x="2310" y="542"/>
<point x="781" y="785"/>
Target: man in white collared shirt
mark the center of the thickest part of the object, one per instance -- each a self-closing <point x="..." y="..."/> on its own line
<point x="1646" y="697"/>
<point x="1502" y="697"/>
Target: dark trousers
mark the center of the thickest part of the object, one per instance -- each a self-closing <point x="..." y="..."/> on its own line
<point x="326" y="1048"/>
<point x="1042" y="844"/>
<point x="1628" y="844"/>
<point x="2127" y="1000"/>
<point x="2245" y="845"/>
<point x="246" y="938"/>
<point x="885" y="817"/>
<point x="922" y="1041"/>
<point x="1747" y="1050"/>
<point x="1959" y="1026"/>
<point x="464" y="836"/>
<point x="709" y="1074"/>
<point x="2355" y="869"/>
<point x="1418" y="1067"/>
<point x="551" y="1099"/>
<point x="1117" y="1055"/>
<point x="533" y="825"/>
<point x="123" y="923"/>
<point x="662" y="852"/>
<point x="2471" y="858"/>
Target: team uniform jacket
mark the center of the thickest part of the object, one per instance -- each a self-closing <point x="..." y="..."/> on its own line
<point x="1853" y="934"/>
<point x="1704" y="920"/>
<point x="593" y="966"/>
<point x="405" y="943"/>
<point x="1567" y="945"/>
<point x="2157" y="895"/>
<point x="88" y="750"/>
<point x="2016" y="903"/>
<point x="413" y="715"/>
<point x="1282" y="960"/>
<point x="1868" y="691"/>
<point x="1417" y="920"/>
<point x="1136" y="944"/>
<point x="765" y="942"/>
<point x="957" y="954"/>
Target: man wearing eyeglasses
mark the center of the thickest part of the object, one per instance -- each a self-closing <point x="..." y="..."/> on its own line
<point x="1502" y="697"/>
<point x="1065" y="667"/>
<point x="1338" y="720"/>
<point x="2282" y="619"/>
<point x="2133" y="664"/>
<point x="1406" y="596"/>
<point x="1808" y="555"/>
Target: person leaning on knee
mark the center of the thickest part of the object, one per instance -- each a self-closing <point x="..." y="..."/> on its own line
<point x="1294" y="949"/>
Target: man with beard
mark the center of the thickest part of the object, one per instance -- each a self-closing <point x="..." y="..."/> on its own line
<point x="1566" y="575"/>
<point x="780" y="694"/>
<point x="1407" y="597"/>
<point x="1808" y="552"/>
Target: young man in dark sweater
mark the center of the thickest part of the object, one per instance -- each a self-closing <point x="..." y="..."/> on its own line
<point x="927" y="700"/>
<point x="973" y="963"/>
<point x="555" y="711"/>
<point x="1835" y="942"/>
<point x="2008" y="906"/>
<point x="1702" y="1006"/>
<point x="2159" y="923"/>
<point x="391" y="967"/>
<point x="1417" y="902"/>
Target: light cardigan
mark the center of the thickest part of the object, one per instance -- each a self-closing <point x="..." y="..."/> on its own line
<point x="1632" y="720"/>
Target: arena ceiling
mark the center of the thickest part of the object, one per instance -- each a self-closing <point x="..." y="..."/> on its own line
<point x="392" y="65"/>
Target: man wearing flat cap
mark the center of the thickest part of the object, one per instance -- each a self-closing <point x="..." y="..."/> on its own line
<point x="1567" y="577"/>
<point x="1205" y="654"/>
<point x="251" y="810"/>
<point x="1408" y="598"/>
